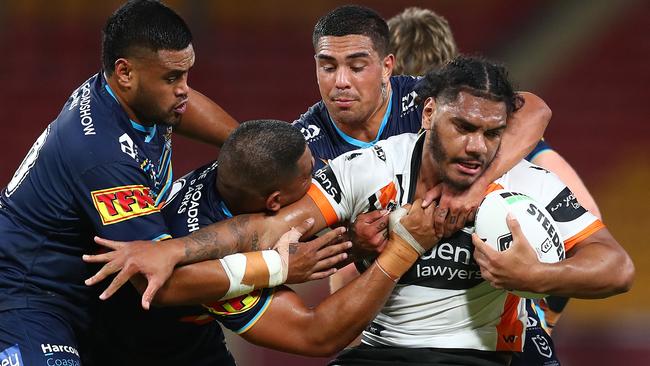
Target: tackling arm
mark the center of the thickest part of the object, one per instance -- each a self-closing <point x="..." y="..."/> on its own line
<point x="205" y="121"/>
<point x="330" y="326"/>
<point x="553" y="161"/>
<point x="327" y="328"/>
<point x="240" y="234"/>
<point x="525" y="128"/>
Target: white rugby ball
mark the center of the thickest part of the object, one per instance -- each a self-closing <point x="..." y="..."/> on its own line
<point x="536" y="223"/>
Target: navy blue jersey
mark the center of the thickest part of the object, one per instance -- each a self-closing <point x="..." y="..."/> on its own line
<point x="539" y="148"/>
<point x="326" y="141"/>
<point x="193" y="203"/>
<point x="92" y="171"/>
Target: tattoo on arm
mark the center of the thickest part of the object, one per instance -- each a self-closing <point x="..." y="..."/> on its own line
<point x="213" y="242"/>
<point x="255" y="244"/>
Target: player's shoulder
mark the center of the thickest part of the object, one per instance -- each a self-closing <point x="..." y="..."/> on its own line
<point x="534" y="181"/>
<point x="385" y="153"/>
<point x="89" y="130"/>
<point x="199" y="180"/>
<point x="398" y="146"/>
<point x="316" y="115"/>
<point x="404" y="82"/>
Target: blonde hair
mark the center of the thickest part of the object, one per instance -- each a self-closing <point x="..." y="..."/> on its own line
<point x="420" y="40"/>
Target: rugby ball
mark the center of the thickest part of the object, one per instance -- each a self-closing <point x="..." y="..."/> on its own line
<point x="536" y="223"/>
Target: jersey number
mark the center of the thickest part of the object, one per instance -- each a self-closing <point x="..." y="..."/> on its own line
<point x="27" y="164"/>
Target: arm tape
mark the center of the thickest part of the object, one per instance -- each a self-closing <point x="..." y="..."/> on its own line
<point x="254" y="270"/>
<point x="396" y="227"/>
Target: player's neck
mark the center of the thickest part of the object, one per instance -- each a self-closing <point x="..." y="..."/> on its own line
<point x="428" y="176"/>
<point x="122" y="98"/>
<point x="367" y="131"/>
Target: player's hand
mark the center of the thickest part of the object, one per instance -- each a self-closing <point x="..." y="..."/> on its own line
<point x="513" y="269"/>
<point x="419" y="222"/>
<point x="314" y="259"/>
<point x="455" y="208"/>
<point x="129" y="258"/>
<point x="369" y="233"/>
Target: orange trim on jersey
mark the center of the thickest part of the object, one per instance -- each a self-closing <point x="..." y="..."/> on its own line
<point x="510" y="330"/>
<point x="388" y="193"/>
<point x="492" y="187"/>
<point x="323" y="205"/>
<point x="595" y="226"/>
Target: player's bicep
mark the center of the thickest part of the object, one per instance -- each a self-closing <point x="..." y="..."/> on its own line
<point x="288" y="309"/>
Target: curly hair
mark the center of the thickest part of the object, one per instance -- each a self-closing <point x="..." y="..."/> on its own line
<point x="420" y="40"/>
<point x="474" y="75"/>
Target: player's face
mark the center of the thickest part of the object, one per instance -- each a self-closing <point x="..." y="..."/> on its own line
<point x="464" y="138"/>
<point x="161" y="90"/>
<point x="351" y="77"/>
<point x="298" y="187"/>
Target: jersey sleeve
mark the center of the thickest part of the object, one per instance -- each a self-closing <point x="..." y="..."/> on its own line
<point x="241" y="313"/>
<point x="343" y="189"/>
<point x="119" y="203"/>
<point x="574" y="221"/>
<point x="539" y="148"/>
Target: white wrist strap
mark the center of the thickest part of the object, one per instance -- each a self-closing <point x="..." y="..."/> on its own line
<point x="249" y="271"/>
<point x="395" y="226"/>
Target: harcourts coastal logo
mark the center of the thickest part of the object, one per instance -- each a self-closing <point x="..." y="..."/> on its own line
<point x="11" y="357"/>
<point x="60" y="355"/>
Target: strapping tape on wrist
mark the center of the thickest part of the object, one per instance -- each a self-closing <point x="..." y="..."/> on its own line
<point x="254" y="270"/>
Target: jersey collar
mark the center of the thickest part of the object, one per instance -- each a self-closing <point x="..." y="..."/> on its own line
<point x="150" y="131"/>
<point x="363" y="144"/>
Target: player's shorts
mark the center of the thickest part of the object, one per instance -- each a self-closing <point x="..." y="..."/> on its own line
<point x="36" y="338"/>
<point x="365" y="355"/>
<point x="538" y="348"/>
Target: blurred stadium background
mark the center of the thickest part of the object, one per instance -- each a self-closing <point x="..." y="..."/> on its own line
<point x="590" y="60"/>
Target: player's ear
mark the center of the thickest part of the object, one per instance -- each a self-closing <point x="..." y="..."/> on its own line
<point x="387" y="70"/>
<point x="123" y="72"/>
<point x="273" y="202"/>
<point x="427" y="113"/>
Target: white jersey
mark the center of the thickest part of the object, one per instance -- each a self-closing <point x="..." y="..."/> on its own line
<point x="442" y="301"/>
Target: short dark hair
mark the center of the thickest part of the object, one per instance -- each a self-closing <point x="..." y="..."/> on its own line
<point x="264" y="153"/>
<point x="474" y="75"/>
<point x="142" y="23"/>
<point x="354" y="19"/>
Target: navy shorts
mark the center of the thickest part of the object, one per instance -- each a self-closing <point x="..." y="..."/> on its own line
<point x="36" y="338"/>
<point x="538" y="348"/>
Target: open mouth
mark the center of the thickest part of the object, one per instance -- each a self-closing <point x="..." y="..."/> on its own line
<point x="180" y="109"/>
<point x="469" y="167"/>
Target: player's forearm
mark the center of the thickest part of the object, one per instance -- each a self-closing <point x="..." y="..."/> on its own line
<point x="242" y="233"/>
<point x="595" y="270"/>
<point x="194" y="284"/>
<point x="525" y="128"/>
<point x="205" y="121"/>
<point x="329" y="327"/>
<point x="339" y="319"/>
<point x="554" y="162"/>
